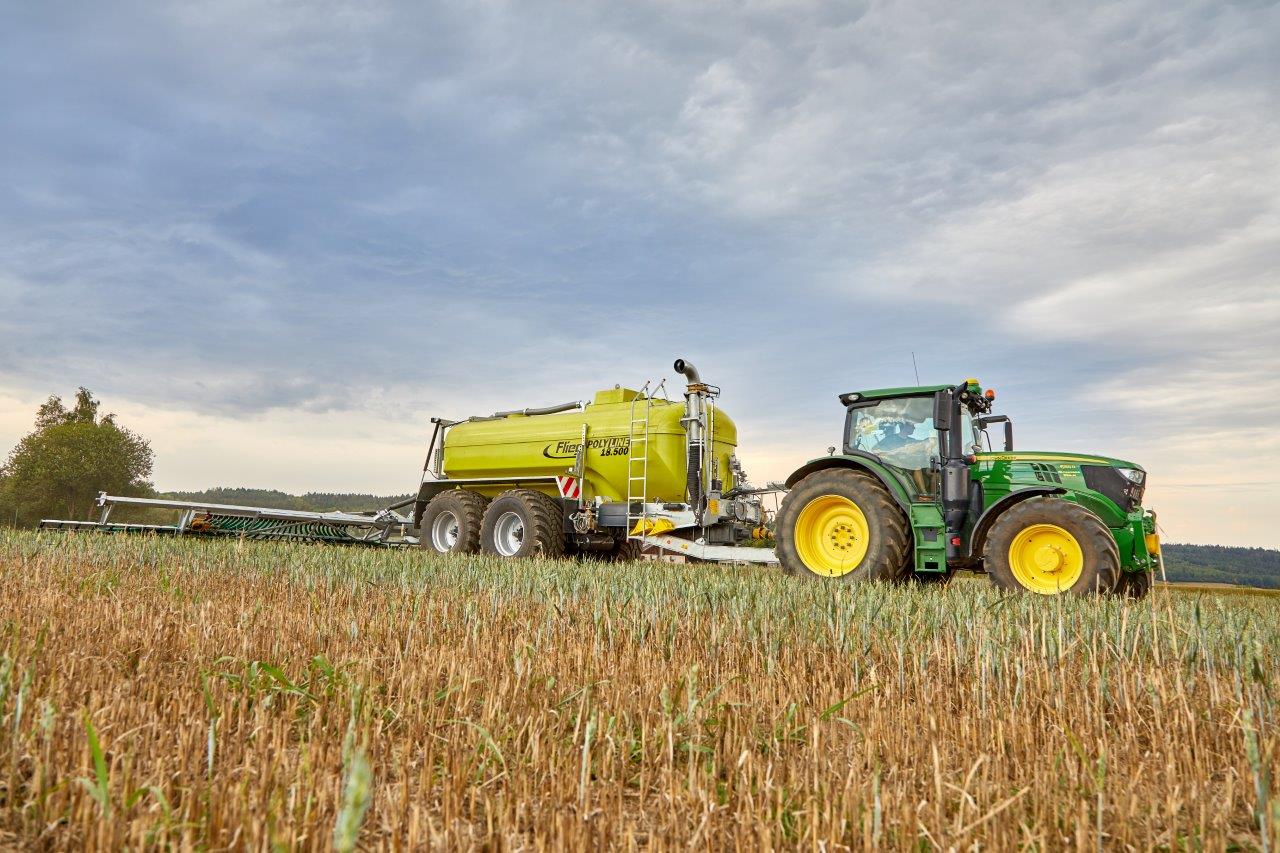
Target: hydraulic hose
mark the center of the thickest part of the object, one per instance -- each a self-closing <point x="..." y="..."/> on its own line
<point x="545" y="410"/>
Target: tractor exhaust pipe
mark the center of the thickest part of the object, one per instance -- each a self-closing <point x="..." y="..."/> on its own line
<point x="956" y="478"/>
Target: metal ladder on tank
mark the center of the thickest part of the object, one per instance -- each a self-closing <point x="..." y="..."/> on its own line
<point x="638" y="463"/>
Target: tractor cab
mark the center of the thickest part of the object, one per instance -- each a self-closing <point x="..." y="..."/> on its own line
<point x="905" y="428"/>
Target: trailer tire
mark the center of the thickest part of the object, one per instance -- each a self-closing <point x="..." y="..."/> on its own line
<point x="1050" y="546"/>
<point x="523" y="523"/>
<point x="451" y="523"/>
<point x="842" y="524"/>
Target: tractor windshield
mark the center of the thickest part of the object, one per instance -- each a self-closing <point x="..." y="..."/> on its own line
<point x="900" y="431"/>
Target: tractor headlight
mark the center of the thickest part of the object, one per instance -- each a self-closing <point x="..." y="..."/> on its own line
<point x="1133" y="475"/>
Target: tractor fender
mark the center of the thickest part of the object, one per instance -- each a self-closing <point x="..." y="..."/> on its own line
<point x="978" y="539"/>
<point x="871" y="466"/>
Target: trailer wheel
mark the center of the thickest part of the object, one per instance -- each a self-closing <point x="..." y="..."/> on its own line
<point x="523" y="523"/>
<point x="451" y="523"/>
<point x="1049" y="546"/>
<point x="841" y="523"/>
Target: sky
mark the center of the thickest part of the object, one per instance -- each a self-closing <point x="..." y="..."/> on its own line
<point x="276" y="238"/>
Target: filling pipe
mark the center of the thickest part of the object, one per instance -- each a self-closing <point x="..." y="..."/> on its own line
<point x="688" y="371"/>
<point x="695" y="425"/>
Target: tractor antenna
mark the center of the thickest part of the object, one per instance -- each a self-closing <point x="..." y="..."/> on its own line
<point x="914" y="367"/>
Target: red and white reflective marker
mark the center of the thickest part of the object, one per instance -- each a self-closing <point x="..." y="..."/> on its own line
<point x="569" y="487"/>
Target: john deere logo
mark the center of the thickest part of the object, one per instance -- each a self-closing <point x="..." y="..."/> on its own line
<point x="616" y="446"/>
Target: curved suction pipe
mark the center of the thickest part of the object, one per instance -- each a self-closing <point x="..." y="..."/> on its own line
<point x="688" y="370"/>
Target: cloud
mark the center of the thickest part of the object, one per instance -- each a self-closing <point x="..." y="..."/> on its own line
<point x="263" y="214"/>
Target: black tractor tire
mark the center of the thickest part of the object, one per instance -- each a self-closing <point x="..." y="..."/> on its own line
<point x="1100" y="571"/>
<point x="529" y="523"/>
<point x="888" y="533"/>
<point x="465" y="510"/>
<point x="1135" y="586"/>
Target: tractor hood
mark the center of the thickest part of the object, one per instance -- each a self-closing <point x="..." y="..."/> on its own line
<point x="1049" y="456"/>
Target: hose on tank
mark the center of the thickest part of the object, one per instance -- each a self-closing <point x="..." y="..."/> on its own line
<point x="545" y="410"/>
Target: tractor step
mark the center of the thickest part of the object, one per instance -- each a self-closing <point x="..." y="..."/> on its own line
<point x="930" y="538"/>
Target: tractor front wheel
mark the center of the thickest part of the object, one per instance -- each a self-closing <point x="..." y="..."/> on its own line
<point x="1049" y="546"/>
<point x="841" y="523"/>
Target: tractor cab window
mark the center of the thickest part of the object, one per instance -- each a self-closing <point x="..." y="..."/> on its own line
<point x="969" y="426"/>
<point x="899" y="431"/>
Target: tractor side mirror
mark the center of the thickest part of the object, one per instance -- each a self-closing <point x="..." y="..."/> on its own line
<point x="942" y="410"/>
<point x="1008" y="428"/>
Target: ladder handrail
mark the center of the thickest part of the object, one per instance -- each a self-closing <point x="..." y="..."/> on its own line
<point x="638" y="454"/>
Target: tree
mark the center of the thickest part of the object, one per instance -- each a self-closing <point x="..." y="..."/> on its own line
<point x="58" y="470"/>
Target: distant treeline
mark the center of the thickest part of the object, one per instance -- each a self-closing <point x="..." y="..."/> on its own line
<point x="1258" y="567"/>
<point x="312" y="501"/>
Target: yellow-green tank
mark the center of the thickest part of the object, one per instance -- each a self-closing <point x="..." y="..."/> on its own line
<point x="525" y="446"/>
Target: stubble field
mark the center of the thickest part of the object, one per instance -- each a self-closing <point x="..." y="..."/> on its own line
<point x="218" y="694"/>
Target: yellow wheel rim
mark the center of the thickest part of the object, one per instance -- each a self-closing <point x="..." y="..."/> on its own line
<point x="1046" y="559"/>
<point x="832" y="535"/>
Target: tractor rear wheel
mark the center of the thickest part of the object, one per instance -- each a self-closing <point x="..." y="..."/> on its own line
<point x="451" y="523"/>
<point x="523" y="523"/>
<point x="842" y="523"/>
<point x="1050" y="546"/>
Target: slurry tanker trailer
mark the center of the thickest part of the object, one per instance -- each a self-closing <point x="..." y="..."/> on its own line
<point x="600" y="478"/>
<point x="914" y="494"/>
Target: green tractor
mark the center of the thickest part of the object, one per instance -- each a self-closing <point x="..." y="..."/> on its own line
<point x="917" y="493"/>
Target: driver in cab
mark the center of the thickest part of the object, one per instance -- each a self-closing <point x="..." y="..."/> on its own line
<point x="901" y="448"/>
